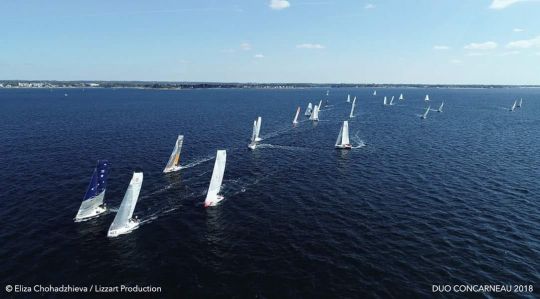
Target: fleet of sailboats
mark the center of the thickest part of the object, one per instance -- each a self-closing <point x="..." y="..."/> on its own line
<point x="123" y="222"/>
<point x="212" y="196"/>
<point x="92" y="204"/>
<point x="342" y="141"/>
<point x="174" y="159"/>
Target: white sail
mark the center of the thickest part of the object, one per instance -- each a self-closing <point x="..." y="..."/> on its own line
<point x="327" y="92"/>
<point x="374" y="92"/>
<point x="392" y="101"/>
<point x="320" y="105"/>
<point x="352" y="108"/>
<point x="295" y="121"/>
<point x="253" y="143"/>
<point x="212" y="196"/>
<point x="513" y="106"/>
<point x="440" y="107"/>
<point x="426" y="98"/>
<point x="385" y="101"/>
<point x="174" y="159"/>
<point x="123" y="223"/>
<point x="348" y="98"/>
<point x="424" y="116"/>
<point x="401" y="96"/>
<point x="315" y="114"/>
<point x="343" y="137"/>
<point x="92" y="203"/>
<point x="259" y="121"/>
<point x="520" y="102"/>
<point x="308" y="110"/>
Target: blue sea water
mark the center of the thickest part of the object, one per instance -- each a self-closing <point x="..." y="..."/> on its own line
<point x="452" y="199"/>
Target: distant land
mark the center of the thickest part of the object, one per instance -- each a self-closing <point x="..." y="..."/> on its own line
<point x="199" y="85"/>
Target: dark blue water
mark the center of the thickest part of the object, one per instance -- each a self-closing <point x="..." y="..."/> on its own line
<point x="453" y="199"/>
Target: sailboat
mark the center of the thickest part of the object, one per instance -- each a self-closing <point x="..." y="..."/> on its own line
<point x="315" y="114"/>
<point x="426" y="98"/>
<point x="92" y="203"/>
<point x="123" y="222"/>
<point x="295" y="121"/>
<point x="514" y="106"/>
<point x="253" y="144"/>
<point x="308" y="110"/>
<point x="385" y="101"/>
<point x="440" y="107"/>
<point x="374" y="92"/>
<point x="212" y="196"/>
<point x="424" y="116"/>
<point x="259" y="121"/>
<point x="348" y="98"/>
<point x="401" y="97"/>
<point x="520" y="103"/>
<point x="174" y="159"/>
<point x="352" y="108"/>
<point x="342" y="141"/>
<point x="320" y="105"/>
<point x="327" y="92"/>
<point x="392" y="101"/>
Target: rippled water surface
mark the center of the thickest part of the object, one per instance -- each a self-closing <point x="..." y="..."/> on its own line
<point x="453" y="199"/>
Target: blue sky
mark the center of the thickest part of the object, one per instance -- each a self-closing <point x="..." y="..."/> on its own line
<point x="349" y="41"/>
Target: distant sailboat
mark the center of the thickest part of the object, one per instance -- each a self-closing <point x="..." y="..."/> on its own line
<point x="385" y="101"/>
<point x="342" y="141"/>
<point x="424" y="116"/>
<point x="174" y="159"/>
<point x="352" y="108"/>
<point x="374" y="92"/>
<point x="315" y="114"/>
<point x="212" y="196"/>
<point x="520" y="103"/>
<point x="123" y="222"/>
<point x="320" y="105"/>
<point x="348" y="98"/>
<point x="308" y="110"/>
<point x="259" y="121"/>
<point x="295" y="121"/>
<point x="92" y="204"/>
<point x="253" y="144"/>
<point x="426" y="98"/>
<point x="440" y="107"/>
<point x="401" y="97"/>
<point x="392" y="101"/>
<point x="327" y="92"/>
<point x="514" y="106"/>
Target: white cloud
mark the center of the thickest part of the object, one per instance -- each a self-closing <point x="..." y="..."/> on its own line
<point x="481" y="46"/>
<point x="369" y="6"/>
<point x="441" y="47"/>
<point x="501" y="4"/>
<point x="525" y="43"/>
<point x="455" y="61"/>
<point x="279" y="4"/>
<point x="258" y="56"/>
<point x="245" y="46"/>
<point x="476" y="54"/>
<point x="310" y="46"/>
<point x="518" y="30"/>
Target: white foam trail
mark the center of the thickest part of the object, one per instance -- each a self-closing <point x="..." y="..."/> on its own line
<point x="359" y="142"/>
<point x="197" y="162"/>
<point x="285" y="147"/>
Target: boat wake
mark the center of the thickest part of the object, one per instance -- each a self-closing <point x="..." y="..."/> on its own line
<point x="284" y="147"/>
<point x="358" y="142"/>
<point x="197" y="162"/>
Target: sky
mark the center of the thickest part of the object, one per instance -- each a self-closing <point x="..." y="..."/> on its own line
<point x="319" y="41"/>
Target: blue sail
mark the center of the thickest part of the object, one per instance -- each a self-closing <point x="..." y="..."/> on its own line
<point x="98" y="183"/>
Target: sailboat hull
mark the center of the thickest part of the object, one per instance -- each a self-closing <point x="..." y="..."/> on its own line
<point x="344" y="146"/>
<point x="213" y="202"/>
<point x="91" y="208"/>
<point x="127" y="228"/>
<point x="252" y="146"/>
